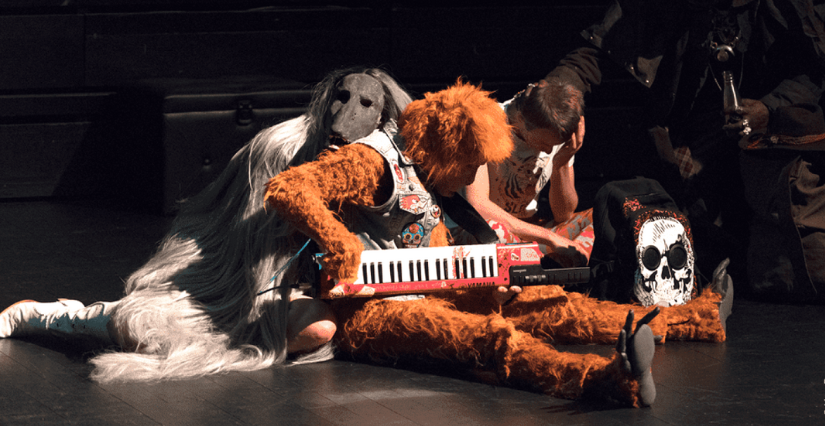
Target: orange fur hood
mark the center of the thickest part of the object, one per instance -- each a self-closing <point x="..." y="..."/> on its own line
<point x="453" y="127"/>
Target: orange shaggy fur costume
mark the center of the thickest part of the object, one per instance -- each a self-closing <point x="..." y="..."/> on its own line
<point x="444" y="133"/>
<point x="570" y="318"/>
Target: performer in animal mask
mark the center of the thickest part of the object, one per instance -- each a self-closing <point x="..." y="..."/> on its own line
<point x="358" y="197"/>
<point x="193" y="308"/>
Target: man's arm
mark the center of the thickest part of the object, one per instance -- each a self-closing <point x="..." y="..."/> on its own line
<point x="580" y="67"/>
<point x="563" y="196"/>
<point x="478" y="194"/>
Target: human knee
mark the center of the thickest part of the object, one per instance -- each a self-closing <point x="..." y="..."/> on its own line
<point x="320" y="332"/>
<point x="311" y="324"/>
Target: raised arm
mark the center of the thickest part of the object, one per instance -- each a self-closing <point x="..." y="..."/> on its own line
<point x="580" y="67"/>
<point x="563" y="196"/>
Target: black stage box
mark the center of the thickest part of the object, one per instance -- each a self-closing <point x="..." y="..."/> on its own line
<point x="178" y="135"/>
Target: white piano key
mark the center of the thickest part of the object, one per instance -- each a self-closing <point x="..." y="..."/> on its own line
<point x="384" y="275"/>
<point x="428" y="264"/>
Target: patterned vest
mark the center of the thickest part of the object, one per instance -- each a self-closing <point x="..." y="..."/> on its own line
<point x="407" y="219"/>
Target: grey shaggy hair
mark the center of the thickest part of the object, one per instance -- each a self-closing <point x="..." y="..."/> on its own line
<point x="193" y="309"/>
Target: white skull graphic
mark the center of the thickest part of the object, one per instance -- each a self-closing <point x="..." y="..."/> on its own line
<point x="665" y="258"/>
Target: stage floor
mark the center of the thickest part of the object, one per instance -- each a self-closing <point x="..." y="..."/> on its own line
<point x="770" y="371"/>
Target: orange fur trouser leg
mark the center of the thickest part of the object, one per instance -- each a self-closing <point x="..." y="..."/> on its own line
<point x="432" y="330"/>
<point x="573" y="318"/>
<point x="697" y="319"/>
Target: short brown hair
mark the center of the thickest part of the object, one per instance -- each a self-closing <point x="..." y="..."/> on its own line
<point x="552" y="104"/>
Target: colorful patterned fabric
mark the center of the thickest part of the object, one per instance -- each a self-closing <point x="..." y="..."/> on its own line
<point x="578" y="228"/>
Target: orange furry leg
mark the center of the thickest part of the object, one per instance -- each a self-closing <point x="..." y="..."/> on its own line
<point x="697" y="319"/>
<point x="432" y="329"/>
<point x="535" y="365"/>
<point x="573" y="318"/>
<point x="419" y="330"/>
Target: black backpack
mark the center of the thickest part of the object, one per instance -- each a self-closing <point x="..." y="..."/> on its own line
<point x="643" y="249"/>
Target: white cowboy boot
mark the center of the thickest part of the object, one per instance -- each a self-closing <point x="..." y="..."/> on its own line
<point x="64" y="318"/>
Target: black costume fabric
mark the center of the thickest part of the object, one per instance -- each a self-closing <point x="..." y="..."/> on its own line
<point x="620" y="210"/>
<point x="784" y="187"/>
<point x="667" y="45"/>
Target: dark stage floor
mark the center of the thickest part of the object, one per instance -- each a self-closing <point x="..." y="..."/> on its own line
<point x="770" y="371"/>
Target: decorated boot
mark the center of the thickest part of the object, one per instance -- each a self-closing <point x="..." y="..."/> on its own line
<point x="63" y="319"/>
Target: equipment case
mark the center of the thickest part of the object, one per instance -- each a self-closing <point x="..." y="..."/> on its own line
<point x="179" y="135"/>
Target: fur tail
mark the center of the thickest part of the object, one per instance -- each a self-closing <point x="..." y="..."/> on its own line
<point x="172" y="338"/>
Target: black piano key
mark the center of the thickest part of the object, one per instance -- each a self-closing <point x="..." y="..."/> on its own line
<point x="399" y="270"/>
<point x="464" y="271"/>
<point x="380" y="273"/>
<point x="472" y="267"/>
<point x="426" y="270"/>
<point x="457" y="269"/>
<point x="438" y="269"/>
<point x="484" y="267"/>
<point x="493" y="269"/>
<point x="372" y="273"/>
<point x="418" y="269"/>
<point x="364" y="274"/>
<point x="446" y="267"/>
<point x="412" y="271"/>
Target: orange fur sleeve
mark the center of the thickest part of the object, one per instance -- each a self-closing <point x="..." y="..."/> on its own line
<point x="302" y="196"/>
<point x="440" y="236"/>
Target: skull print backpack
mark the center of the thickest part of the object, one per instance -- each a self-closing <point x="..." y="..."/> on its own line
<point x="643" y="250"/>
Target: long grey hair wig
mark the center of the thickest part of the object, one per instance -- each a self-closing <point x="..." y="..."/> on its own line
<point x="194" y="309"/>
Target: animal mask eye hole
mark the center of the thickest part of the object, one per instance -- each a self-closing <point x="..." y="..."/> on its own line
<point x="343" y="96"/>
<point x="366" y="102"/>
<point x="651" y="258"/>
<point x="677" y="256"/>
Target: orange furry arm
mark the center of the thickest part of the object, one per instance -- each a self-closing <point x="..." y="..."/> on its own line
<point x="302" y="195"/>
<point x="440" y="236"/>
